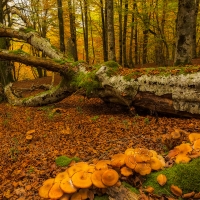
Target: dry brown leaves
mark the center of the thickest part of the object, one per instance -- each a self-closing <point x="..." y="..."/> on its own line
<point x="74" y="127"/>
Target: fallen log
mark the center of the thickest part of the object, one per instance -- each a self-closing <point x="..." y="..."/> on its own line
<point x="173" y="93"/>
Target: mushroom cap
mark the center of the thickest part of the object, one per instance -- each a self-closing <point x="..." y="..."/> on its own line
<point x="193" y="137"/>
<point x="143" y="168"/>
<point x="55" y="191"/>
<point x="182" y="158"/>
<point x="102" y="164"/>
<point x="59" y="177"/>
<point x="45" y="188"/>
<point x="81" y="166"/>
<point x="29" y="137"/>
<point x="91" y="168"/>
<point x="76" y="196"/>
<point x="184" y="148"/>
<point x="149" y="189"/>
<point x="82" y="179"/>
<point x="129" y="151"/>
<point x="67" y="185"/>
<point x="162" y="160"/>
<point x="154" y="153"/>
<point x="97" y="178"/>
<point x="172" y="153"/>
<point x="84" y="193"/>
<point x="162" y="179"/>
<point x="118" y="160"/>
<point x="130" y="161"/>
<point x="142" y="155"/>
<point x="176" y="190"/>
<point x="175" y="134"/>
<point x="196" y="145"/>
<point x="65" y="197"/>
<point x="110" y="177"/>
<point x="155" y="163"/>
<point x="126" y="171"/>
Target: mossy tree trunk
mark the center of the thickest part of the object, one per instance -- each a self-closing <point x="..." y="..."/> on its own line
<point x="176" y="94"/>
<point x="5" y="69"/>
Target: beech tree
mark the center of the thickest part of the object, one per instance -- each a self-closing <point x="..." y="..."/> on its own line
<point x="185" y="27"/>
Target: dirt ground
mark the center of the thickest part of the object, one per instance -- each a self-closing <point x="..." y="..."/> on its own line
<point x="75" y="127"/>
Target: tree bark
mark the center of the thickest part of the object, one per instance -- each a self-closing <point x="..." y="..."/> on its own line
<point x="61" y="26"/>
<point x="185" y="25"/>
<point x="111" y="33"/>
<point x="175" y="94"/>
<point x="73" y="30"/>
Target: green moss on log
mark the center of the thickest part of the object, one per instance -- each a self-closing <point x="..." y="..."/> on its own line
<point x="185" y="176"/>
<point x="87" y="81"/>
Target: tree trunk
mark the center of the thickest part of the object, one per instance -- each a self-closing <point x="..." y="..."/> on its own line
<point x="5" y="69"/>
<point x="104" y="32"/>
<point x="125" y="64"/>
<point x="120" y="31"/>
<point x="111" y="33"/>
<point x="175" y="94"/>
<point x="61" y="26"/>
<point x="131" y="63"/>
<point x="185" y="25"/>
<point x="73" y="30"/>
<point x="194" y="45"/>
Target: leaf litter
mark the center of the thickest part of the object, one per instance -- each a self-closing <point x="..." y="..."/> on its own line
<point x="87" y="129"/>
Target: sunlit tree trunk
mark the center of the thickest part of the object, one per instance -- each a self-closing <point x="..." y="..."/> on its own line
<point x="111" y="33"/>
<point x="131" y="63"/>
<point x="84" y="14"/>
<point x="73" y="29"/>
<point x="104" y="31"/>
<point x="185" y="25"/>
<point x="120" y="31"/>
<point x="136" y="42"/>
<point x="125" y="64"/>
<point x="61" y="25"/>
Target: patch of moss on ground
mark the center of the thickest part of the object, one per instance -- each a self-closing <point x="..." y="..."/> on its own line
<point x="63" y="161"/>
<point x="131" y="188"/>
<point x="185" y="176"/>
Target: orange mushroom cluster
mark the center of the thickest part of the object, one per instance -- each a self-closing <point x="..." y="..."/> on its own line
<point x="186" y="151"/>
<point x="143" y="161"/>
<point x="76" y="181"/>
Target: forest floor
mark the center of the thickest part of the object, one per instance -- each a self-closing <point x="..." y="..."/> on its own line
<point x="75" y="127"/>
